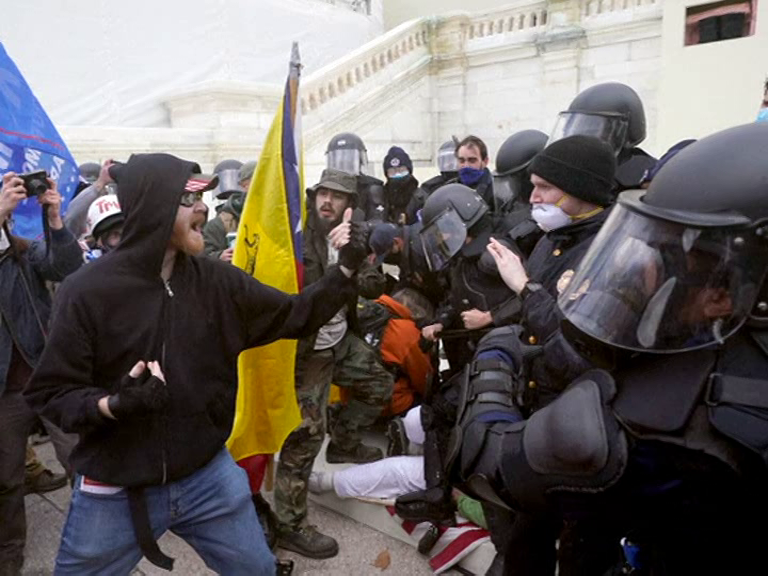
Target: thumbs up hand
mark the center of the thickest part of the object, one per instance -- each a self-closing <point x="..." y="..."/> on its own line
<point x="351" y="240"/>
<point x="340" y="235"/>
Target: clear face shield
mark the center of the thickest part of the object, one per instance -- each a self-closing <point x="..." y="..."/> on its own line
<point x="443" y="238"/>
<point x="652" y="285"/>
<point x="506" y="191"/>
<point x="610" y="128"/>
<point x="228" y="183"/>
<point x="447" y="161"/>
<point x="349" y="160"/>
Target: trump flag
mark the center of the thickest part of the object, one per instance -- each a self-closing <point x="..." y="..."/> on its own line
<point x="29" y="142"/>
<point x="268" y="247"/>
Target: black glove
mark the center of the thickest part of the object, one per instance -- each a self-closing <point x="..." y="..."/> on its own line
<point x="354" y="252"/>
<point x="137" y="396"/>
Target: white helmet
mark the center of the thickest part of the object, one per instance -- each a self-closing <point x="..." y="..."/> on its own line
<point x="103" y="211"/>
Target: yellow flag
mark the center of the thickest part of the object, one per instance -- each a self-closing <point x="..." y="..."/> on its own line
<point x="268" y="247"/>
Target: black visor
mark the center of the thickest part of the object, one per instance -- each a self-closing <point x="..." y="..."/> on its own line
<point x="443" y="238"/>
<point x="610" y="128"/>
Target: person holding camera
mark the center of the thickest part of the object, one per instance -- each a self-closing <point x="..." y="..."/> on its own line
<point x="25" y="306"/>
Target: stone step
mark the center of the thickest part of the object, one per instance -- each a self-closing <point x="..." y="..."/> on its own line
<point x="376" y="516"/>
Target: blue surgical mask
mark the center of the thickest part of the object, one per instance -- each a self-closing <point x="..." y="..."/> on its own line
<point x="470" y="176"/>
<point x="762" y="116"/>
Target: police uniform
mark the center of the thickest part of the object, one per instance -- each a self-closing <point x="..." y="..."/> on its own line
<point x="662" y="448"/>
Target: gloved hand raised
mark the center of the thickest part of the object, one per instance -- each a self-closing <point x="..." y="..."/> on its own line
<point x="141" y="391"/>
<point x="351" y="240"/>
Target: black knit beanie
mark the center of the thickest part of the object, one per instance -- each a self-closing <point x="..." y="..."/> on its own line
<point x="581" y="166"/>
<point x="397" y="157"/>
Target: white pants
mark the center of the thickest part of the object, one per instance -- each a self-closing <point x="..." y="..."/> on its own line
<point x="390" y="477"/>
<point x="387" y="478"/>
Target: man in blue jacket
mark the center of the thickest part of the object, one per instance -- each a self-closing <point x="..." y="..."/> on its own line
<point x="25" y="305"/>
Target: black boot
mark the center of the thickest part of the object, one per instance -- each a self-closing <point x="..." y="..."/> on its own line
<point x="431" y="505"/>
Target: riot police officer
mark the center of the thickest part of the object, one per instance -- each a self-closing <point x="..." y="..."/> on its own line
<point x="457" y="228"/>
<point x="448" y="166"/>
<point x="614" y="113"/>
<point x="347" y="152"/>
<point x="665" y="443"/>
<point x="572" y="180"/>
<point x="228" y="172"/>
<point x="512" y="187"/>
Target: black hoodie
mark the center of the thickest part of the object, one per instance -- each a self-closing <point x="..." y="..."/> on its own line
<point x="117" y="311"/>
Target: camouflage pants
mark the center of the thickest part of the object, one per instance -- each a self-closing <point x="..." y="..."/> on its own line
<point x="350" y="364"/>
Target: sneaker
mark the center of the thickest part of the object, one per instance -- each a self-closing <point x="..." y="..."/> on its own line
<point x="46" y="481"/>
<point x="360" y="454"/>
<point x="398" y="441"/>
<point x="307" y="541"/>
<point x="320" y="482"/>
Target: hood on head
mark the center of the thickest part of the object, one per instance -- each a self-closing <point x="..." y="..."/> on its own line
<point x="149" y="190"/>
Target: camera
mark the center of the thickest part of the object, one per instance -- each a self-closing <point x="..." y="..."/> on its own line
<point x="35" y="183"/>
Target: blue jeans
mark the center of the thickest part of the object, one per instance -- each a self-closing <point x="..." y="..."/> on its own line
<point x="210" y="509"/>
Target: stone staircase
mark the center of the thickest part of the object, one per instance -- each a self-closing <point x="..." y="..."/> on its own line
<point x="489" y="73"/>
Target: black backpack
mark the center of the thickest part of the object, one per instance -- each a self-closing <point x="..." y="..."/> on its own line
<point x="372" y="318"/>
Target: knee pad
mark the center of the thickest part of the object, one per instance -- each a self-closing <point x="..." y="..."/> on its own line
<point x="486" y="395"/>
<point x="574" y="444"/>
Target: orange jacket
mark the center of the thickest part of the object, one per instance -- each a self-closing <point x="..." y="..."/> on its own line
<point x="400" y="348"/>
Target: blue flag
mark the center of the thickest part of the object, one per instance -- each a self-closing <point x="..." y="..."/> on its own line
<point x="29" y="142"/>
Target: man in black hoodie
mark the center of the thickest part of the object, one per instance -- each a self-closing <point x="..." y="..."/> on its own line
<point x="142" y="361"/>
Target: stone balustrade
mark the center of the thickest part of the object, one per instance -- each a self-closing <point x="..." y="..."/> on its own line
<point x="591" y="8"/>
<point x="509" y="20"/>
<point x="364" y="66"/>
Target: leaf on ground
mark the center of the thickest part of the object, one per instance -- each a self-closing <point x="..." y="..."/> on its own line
<point x="383" y="560"/>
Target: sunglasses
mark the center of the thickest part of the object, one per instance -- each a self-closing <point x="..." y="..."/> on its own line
<point x="189" y="199"/>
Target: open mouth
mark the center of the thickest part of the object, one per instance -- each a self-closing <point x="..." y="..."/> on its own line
<point x="197" y="227"/>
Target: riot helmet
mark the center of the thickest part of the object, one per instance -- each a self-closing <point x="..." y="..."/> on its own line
<point x="449" y="214"/>
<point x="228" y="172"/>
<point x="447" y="162"/>
<point x="346" y="152"/>
<point x="511" y="182"/>
<point x="89" y="171"/>
<point x="611" y="111"/>
<point x="681" y="265"/>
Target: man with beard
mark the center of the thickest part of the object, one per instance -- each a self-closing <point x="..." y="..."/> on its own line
<point x="333" y="354"/>
<point x="141" y="362"/>
<point x="402" y="196"/>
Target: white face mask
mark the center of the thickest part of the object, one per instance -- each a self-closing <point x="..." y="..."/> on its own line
<point x="4" y="243"/>
<point x="549" y="216"/>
